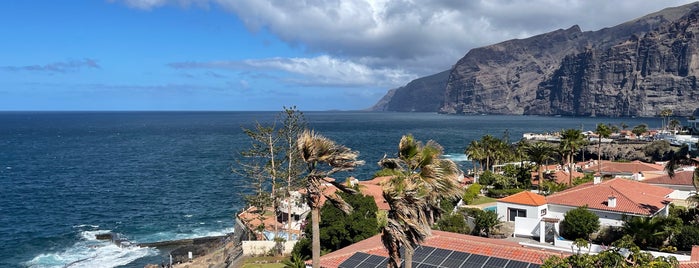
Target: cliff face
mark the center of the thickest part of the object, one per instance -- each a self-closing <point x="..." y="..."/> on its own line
<point x="425" y="94"/>
<point x="638" y="77"/>
<point x="633" y="69"/>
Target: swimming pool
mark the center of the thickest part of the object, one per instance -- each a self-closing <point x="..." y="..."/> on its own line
<point x="491" y="208"/>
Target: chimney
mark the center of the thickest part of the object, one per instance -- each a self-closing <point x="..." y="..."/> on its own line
<point x="597" y="178"/>
<point x="611" y="201"/>
<point x="695" y="253"/>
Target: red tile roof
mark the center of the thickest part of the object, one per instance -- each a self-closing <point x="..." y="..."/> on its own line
<point x="450" y="241"/>
<point x="689" y="264"/>
<point x="560" y="176"/>
<point x="373" y="188"/>
<point x="681" y="178"/>
<point x="632" y="197"/>
<point x="626" y="167"/>
<point x="525" y="198"/>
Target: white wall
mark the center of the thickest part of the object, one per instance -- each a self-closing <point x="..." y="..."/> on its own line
<point x="262" y="247"/>
<point x="605" y="217"/>
<point x="526" y="226"/>
<point x="532" y="212"/>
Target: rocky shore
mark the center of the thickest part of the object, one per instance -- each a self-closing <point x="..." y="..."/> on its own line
<point x="209" y="252"/>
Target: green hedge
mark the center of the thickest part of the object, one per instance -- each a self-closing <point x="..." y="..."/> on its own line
<point x="500" y="193"/>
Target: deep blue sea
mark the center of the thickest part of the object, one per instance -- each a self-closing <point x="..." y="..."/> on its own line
<point x="154" y="176"/>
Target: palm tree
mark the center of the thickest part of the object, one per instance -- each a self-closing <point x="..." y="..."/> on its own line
<point x="665" y="113"/>
<point x="323" y="157"/>
<point x="603" y="131"/>
<point x="674" y="124"/>
<point x="571" y="141"/>
<point x="476" y="152"/>
<point x="413" y="195"/>
<point x="539" y="153"/>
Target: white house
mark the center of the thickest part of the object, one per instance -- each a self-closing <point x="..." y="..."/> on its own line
<point x="528" y="211"/>
<point x="610" y="200"/>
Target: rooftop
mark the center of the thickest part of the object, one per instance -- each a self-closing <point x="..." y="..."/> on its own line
<point x="632" y="197"/>
<point x="525" y="198"/>
<point x="681" y="178"/>
<point x="609" y="167"/>
<point x="449" y="241"/>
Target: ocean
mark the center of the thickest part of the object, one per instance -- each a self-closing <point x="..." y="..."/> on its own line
<point x="156" y="176"/>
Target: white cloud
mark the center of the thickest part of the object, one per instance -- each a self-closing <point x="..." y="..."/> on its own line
<point x="317" y="71"/>
<point x="377" y="37"/>
<point x="56" y="67"/>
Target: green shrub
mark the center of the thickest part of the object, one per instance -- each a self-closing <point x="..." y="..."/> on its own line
<point x="579" y="223"/>
<point x="500" y="193"/>
<point x="453" y="222"/>
<point x="688" y="236"/>
<point x="471" y="193"/>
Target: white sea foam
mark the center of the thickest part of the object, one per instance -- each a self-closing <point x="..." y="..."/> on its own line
<point x="90" y="252"/>
<point x="188" y="216"/>
<point x="80" y="226"/>
<point x="457" y="157"/>
<point x="194" y="233"/>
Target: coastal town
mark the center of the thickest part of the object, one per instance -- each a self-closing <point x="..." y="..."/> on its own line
<point x="538" y="202"/>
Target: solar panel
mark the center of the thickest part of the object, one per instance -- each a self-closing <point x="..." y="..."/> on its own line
<point x="452" y="262"/>
<point x="442" y="253"/>
<point x="355" y="260"/>
<point x="433" y="260"/>
<point x="429" y="257"/>
<point x="494" y="262"/>
<point x="455" y="259"/>
<point x="421" y="253"/>
<point x="475" y="260"/>
<point x="517" y="264"/>
<point x="374" y="260"/>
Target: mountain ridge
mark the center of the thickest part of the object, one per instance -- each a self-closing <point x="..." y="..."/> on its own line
<point x="636" y="68"/>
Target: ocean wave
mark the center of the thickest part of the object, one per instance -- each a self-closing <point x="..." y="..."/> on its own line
<point x="457" y="157"/>
<point x="194" y="233"/>
<point x="90" y="252"/>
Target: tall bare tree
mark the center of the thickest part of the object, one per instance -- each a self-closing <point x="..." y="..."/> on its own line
<point x="293" y="123"/>
<point x="323" y="157"/>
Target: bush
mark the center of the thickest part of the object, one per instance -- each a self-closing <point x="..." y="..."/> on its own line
<point x="471" y="193"/>
<point x="579" y="223"/>
<point x="337" y="229"/>
<point x="688" y="236"/>
<point x="500" y="193"/>
<point x="453" y="222"/>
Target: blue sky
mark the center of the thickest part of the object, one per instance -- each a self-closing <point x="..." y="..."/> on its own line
<point x="257" y="54"/>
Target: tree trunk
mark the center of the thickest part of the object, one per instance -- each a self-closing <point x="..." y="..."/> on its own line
<point x="315" y="223"/>
<point x="599" y="156"/>
<point x="541" y="177"/>
<point x="408" y="258"/>
<point x="570" y="170"/>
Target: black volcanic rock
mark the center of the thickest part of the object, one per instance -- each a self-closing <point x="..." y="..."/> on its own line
<point x="633" y="69"/>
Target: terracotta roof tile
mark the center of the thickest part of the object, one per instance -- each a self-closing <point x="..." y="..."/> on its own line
<point x="681" y="178"/>
<point x="450" y="241"/>
<point x="525" y="198"/>
<point x="626" y="167"/>
<point x="632" y="197"/>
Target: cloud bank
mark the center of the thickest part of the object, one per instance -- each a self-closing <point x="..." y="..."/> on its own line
<point x="390" y="40"/>
<point x="56" y="67"/>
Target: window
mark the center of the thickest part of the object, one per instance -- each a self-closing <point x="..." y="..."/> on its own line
<point x="514" y="212"/>
<point x="543" y="212"/>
